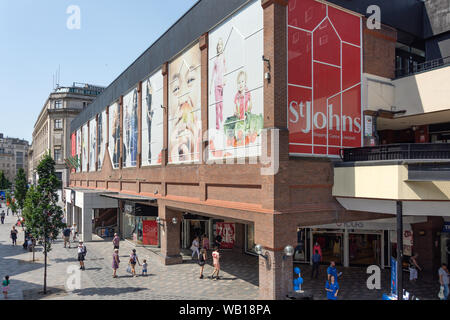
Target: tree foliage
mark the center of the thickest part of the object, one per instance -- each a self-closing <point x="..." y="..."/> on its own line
<point x="43" y="217"/>
<point x="4" y="182"/>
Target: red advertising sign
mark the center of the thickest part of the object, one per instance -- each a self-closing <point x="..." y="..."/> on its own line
<point x="226" y="231"/>
<point x="324" y="79"/>
<point x="150" y="232"/>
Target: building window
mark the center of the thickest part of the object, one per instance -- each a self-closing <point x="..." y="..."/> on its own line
<point x="57" y="155"/>
<point x="58" y="104"/>
<point x="85" y="104"/>
<point x="58" y="123"/>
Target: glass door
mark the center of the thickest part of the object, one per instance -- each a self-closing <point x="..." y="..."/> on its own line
<point x="332" y="246"/>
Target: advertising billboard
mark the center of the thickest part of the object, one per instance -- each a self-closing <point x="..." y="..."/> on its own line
<point x="114" y="134"/>
<point x="227" y="231"/>
<point x="236" y="84"/>
<point x="101" y="136"/>
<point x="324" y="79"/>
<point x="184" y="107"/>
<point x="92" y="143"/>
<point x="152" y="119"/>
<point x="130" y="128"/>
<point x="84" y="148"/>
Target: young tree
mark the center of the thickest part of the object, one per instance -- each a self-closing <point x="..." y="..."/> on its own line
<point x="43" y="217"/>
<point x="20" y="190"/>
<point x="4" y="182"/>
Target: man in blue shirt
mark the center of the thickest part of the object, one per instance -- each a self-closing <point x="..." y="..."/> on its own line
<point x="332" y="271"/>
<point x="332" y="289"/>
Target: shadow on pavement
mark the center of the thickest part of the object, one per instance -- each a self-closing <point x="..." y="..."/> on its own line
<point x="106" y="291"/>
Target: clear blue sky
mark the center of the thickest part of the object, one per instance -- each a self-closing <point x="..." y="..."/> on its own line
<point x="34" y="41"/>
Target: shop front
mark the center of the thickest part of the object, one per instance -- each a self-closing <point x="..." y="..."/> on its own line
<point x="139" y="224"/>
<point x="357" y="243"/>
<point x="194" y="225"/>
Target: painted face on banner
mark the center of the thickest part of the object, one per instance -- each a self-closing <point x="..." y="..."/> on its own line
<point x="184" y="106"/>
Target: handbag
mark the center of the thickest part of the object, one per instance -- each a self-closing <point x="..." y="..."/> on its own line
<point x="129" y="269"/>
<point x="441" y="293"/>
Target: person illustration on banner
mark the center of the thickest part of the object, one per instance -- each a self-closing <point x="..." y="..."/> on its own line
<point x="100" y="140"/>
<point x="184" y="100"/>
<point x="115" y="134"/>
<point x="218" y="81"/>
<point x="133" y="145"/>
<point x="150" y="112"/>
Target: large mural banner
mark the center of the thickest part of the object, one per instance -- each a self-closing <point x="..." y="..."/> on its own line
<point x="84" y="148"/>
<point x="78" y="148"/>
<point x="130" y="128"/>
<point x="236" y="85"/>
<point x="92" y="144"/>
<point x="324" y="79"/>
<point x="184" y="107"/>
<point x="101" y="145"/>
<point x="114" y="134"/>
<point x="152" y="119"/>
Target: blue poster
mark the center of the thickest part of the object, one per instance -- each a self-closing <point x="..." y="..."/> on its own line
<point x="393" y="276"/>
<point x="446" y="227"/>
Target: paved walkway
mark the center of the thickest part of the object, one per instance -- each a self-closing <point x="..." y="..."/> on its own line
<point x="177" y="282"/>
<point x="239" y="275"/>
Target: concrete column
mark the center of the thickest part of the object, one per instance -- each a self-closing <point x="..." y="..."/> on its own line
<point x="86" y="224"/>
<point x="346" y="249"/>
<point x="170" y="235"/>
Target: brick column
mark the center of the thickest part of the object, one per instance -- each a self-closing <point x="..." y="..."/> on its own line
<point x="273" y="233"/>
<point x="203" y="44"/>
<point x="170" y="235"/>
<point x="275" y="186"/>
<point x="121" y="135"/>
<point x="165" y="153"/>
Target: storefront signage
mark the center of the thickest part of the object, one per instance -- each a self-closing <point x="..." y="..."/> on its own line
<point x="368" y="126"/>
<point x="393" y="276"/>
<point x="226" y="231"/>
<point x="150" y="233"/>
<point x="324" y="79"/>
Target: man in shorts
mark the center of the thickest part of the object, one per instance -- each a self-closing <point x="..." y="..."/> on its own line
<point x="66" y="235"/>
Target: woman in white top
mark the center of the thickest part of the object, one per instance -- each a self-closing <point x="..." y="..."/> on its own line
<point x="194" y="247"/>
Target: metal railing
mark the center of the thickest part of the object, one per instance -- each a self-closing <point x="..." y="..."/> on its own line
<point x="421" y="67"/>
<point x="405" y="151"/>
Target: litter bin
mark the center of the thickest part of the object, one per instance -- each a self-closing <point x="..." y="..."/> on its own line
<point x="305" y="295"/>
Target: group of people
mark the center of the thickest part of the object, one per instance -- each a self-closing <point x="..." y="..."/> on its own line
<point x="133" y="259"/>
<point x="200" y="246"/>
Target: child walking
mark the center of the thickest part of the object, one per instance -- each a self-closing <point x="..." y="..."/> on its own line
<point x="216" y="257"/>
<point x="144" y="268"/>
<point x="5" y="285"/>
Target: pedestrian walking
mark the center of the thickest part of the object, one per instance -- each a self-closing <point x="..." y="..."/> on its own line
<point x="414" y="267"/>
<point x="216" y="263"/>
<point x="133" y="260"/>
<point x="316" y="258"/>
<point x="14" y="235"/>
<point x="144" y="268"/>
<point x="194" y="247"/>
<point x="218" y="241"/>
<point x="443" y="281"/>
<point x="332" y="288"/>
<point x="332" y="271"/>
<point x="66" y="236"/>
<point x="116" y="241"/>
<point x="82" y="251"/>
<point x="202" y="261"/>
<point x="3" y="216"/>
<point x="205" y="242"/>
<point x="115" y="263"/>
<point x="74" y="231"/>
<point x="5" y="285"/>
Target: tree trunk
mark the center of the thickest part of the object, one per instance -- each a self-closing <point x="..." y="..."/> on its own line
<point x="45" y="267"/>
<point x="32" y="248"/>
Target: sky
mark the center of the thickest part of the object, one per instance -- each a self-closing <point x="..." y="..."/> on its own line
<point x="35" y="41"/>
